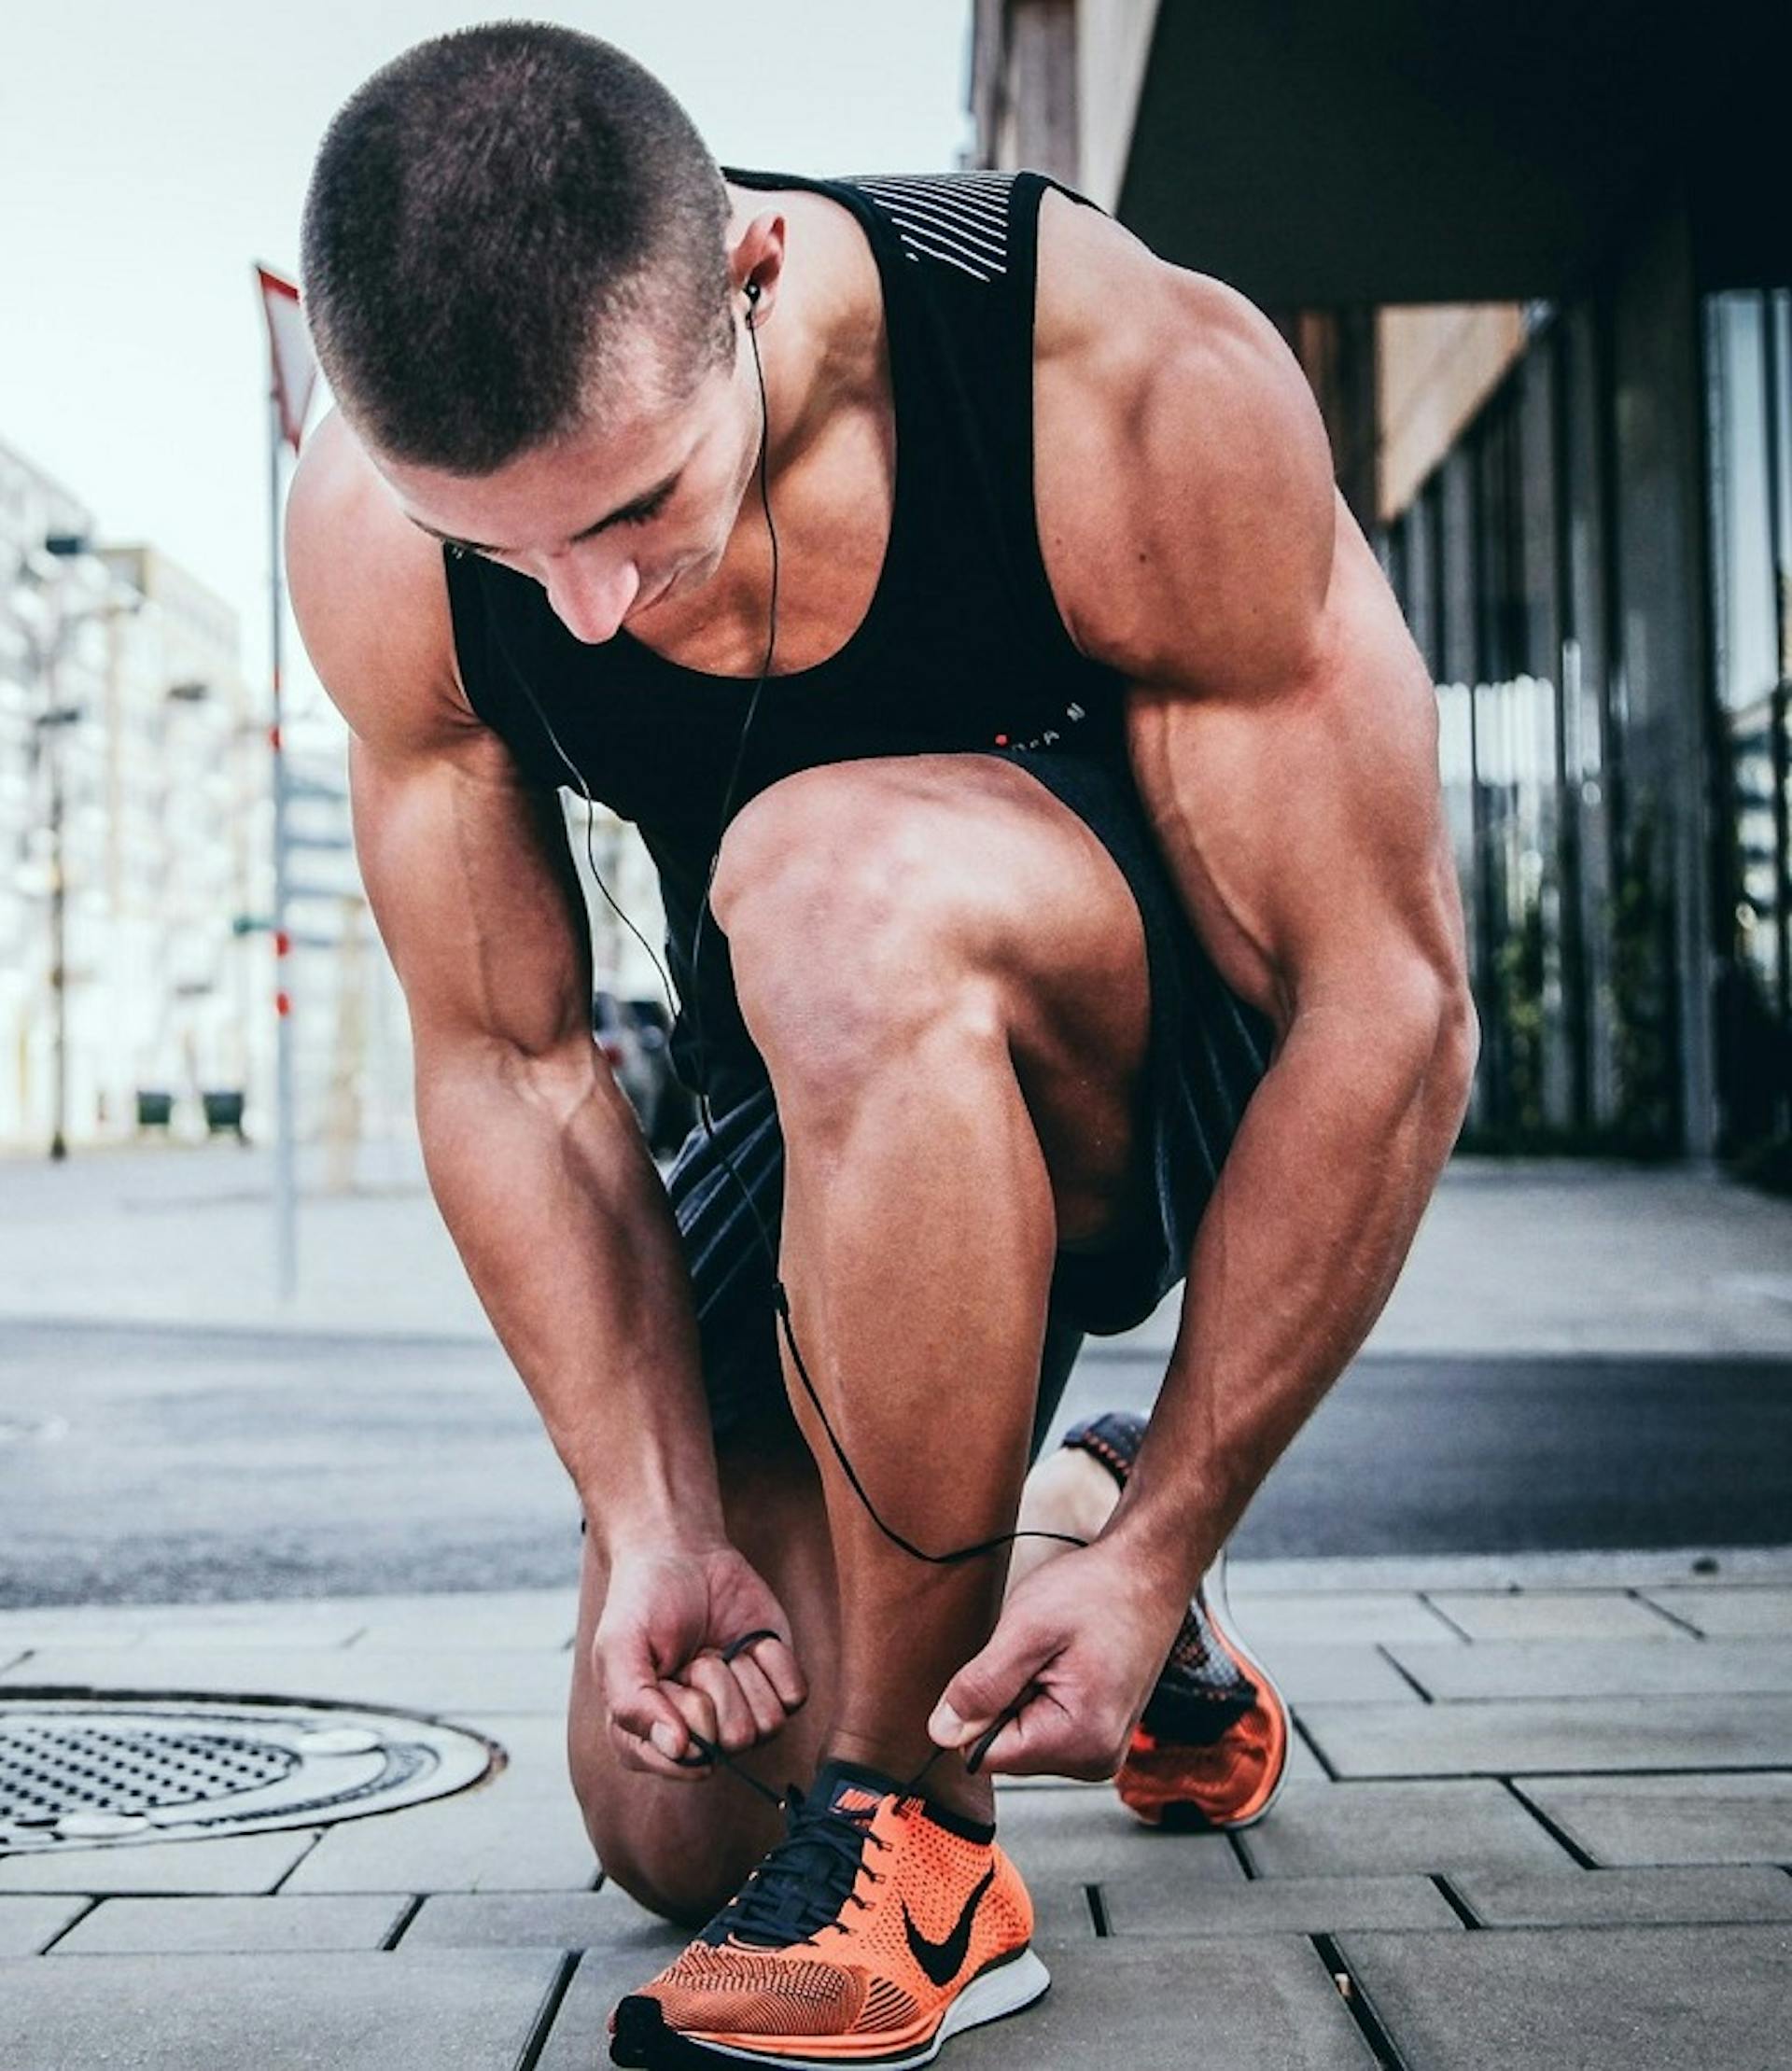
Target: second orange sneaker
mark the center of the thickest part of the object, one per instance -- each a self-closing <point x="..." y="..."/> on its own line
<point x="1212" y="1749"/>
<point x="879" y="1927"/>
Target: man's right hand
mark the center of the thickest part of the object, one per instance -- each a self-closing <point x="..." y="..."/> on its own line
<point x="670" y="1612"/>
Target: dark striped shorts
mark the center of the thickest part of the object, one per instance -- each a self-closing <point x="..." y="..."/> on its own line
<point x="1208" y="1051"/>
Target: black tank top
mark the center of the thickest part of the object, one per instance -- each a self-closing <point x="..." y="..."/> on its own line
<point x="962" y="645"/>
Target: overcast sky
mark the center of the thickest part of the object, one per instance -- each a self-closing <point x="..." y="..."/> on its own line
<point x="150" y="153"/>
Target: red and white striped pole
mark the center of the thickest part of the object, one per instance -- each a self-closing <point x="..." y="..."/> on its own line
<point x="292" y="374"/>
<point x="286" y="1177"/>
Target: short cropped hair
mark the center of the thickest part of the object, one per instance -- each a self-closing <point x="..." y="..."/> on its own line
<point x="506" y="229"/>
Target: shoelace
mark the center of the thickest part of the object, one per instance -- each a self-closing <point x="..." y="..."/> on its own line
<point x="708" y="1752"/>
<point x="806" y="1882"/>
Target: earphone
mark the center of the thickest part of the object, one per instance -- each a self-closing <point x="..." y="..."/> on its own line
<point x="779" y="1296"/>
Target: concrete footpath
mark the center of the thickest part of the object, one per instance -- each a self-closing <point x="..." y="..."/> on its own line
<point x="1539" y="1812"/>
<point x="1539" y="1256"/>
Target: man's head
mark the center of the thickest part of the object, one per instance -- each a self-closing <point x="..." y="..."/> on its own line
<point x="511" y="233"/>
<point x="518" y="270"/>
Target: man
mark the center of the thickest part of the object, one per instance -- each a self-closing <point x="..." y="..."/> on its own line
<point x="1082" y="916"/>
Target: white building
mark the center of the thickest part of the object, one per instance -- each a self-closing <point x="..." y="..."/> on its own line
<point x="133" y="768"/>
<point x="134" y="757"/>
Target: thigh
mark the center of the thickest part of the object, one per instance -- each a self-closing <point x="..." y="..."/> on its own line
<point x="867" y="891"/>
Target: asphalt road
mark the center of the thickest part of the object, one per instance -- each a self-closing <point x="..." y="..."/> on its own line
<point x="158" y="1464"/>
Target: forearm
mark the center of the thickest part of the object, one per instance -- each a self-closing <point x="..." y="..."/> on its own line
<point x="565" y="1231"/>
<point x="1298" y="1251"/>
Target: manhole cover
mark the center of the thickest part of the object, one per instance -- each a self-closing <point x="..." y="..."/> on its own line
<point x="79" y="1771"/>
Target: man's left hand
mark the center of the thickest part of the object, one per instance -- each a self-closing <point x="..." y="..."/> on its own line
<point x="1077" y="1650"/>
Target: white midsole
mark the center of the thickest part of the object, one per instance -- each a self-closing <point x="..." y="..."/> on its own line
<point x="1004" y="1990"/>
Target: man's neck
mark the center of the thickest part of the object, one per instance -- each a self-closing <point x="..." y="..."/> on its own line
<point x="820" y="354"/>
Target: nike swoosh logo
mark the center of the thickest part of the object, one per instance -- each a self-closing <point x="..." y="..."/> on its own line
<point x="942" y="1960"/>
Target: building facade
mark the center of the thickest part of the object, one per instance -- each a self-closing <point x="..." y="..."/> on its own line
<point x="132" y="825"/>
<point x="134" y="831"/>
<point x="1533" y="262"/>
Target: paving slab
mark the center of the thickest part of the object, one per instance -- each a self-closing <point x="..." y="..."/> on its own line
<point x="498" y="1620"/>
<point x="1231" y="2005"/>
<point x="524" y="1920"/>
<point x="1519" y="1738"/>
<point x="1742" y="1818"/>
<point x="330" y="1622"/>
<point x="522" y="1830"/>
<point x="274" y="1630"/>
<point x="218" y="1926"/>
<point x="580" y="2037"/>
<point x="1601" y="1999"/>
<point x="1616" y="1667"/>
<point x="1348" y="1672"/>
<point x="1752" y="1613"/>
<point x="1266" y="1622"/>
<point x="505" y="1618"/>
<point x="1304" y="1765"/>
<point x="1692" y="1566"/>
<point x="28" y="1924"/>
<point x="1223" y="2005"/>
<point x="1353" y="1829"/>
<point x="1554" y="1614"/>
<point x="445" y="1682"/>
<point x="42" y="1628"/>
<point x="1613" y="1897"/>
<point x="248" y="1864"/>
<point x="1083" y="1837"/>
<point x="1145" y="1904"/>
<point x="450" y="2010"/>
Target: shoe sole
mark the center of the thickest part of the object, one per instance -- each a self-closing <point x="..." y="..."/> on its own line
<point x="643" y="2039"/>
<point x="1172" y="1814"/>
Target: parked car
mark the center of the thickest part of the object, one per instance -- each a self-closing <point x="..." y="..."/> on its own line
<point x="635" y="1035"/>
<point x="674" y="1110"/>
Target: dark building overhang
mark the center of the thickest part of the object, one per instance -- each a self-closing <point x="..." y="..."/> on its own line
<point x="1314" y="152"/>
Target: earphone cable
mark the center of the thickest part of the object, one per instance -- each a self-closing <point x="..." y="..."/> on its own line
<point x="705" y="1116"/>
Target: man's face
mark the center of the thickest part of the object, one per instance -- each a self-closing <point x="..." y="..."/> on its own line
<point x="608" y="521"/>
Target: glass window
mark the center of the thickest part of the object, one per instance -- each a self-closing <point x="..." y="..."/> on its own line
<point x="1742" y="531"/>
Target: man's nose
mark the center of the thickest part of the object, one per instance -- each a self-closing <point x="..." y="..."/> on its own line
<point x="590" y="596"/>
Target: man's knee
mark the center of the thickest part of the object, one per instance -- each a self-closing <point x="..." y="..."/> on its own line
<point x="854" y="931"/>
<point x="674" y="1856"/>
<point x="679" y="1888"/>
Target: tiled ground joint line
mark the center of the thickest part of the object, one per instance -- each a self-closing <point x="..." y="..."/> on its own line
<point x="1557" y="1834"/>
<point x="549" y="2012"/>
<point x="1369" y="2024"/>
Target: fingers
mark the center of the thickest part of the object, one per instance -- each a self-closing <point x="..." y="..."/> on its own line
<point x="990" y="1682"/>
<point x="1045" y="1738"/>
<point x="731" y="1705"/>
<point x="775" y="1661"/>
<point x="669" y="1746"/>
<point x="762" y="1701"/>
<point x="736" y="1725"/>
<point x="1047" y="1704"/>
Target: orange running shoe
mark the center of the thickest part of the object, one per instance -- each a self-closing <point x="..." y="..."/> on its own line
<point x="1212" y="1749"/>
<point x="879" y="1925"/>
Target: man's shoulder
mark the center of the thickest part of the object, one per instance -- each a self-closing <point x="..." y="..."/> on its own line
<point x="368" y="590"/>
<point x="1181" y="465"/>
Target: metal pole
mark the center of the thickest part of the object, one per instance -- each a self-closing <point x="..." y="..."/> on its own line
<point x="51" y="720"/>
<point x="285" y="1221"/>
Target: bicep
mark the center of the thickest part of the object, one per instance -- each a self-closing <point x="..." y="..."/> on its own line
<point x="1302" y="819"/>
<point x="468" y="874"/>
<point x="466" y="866"/>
